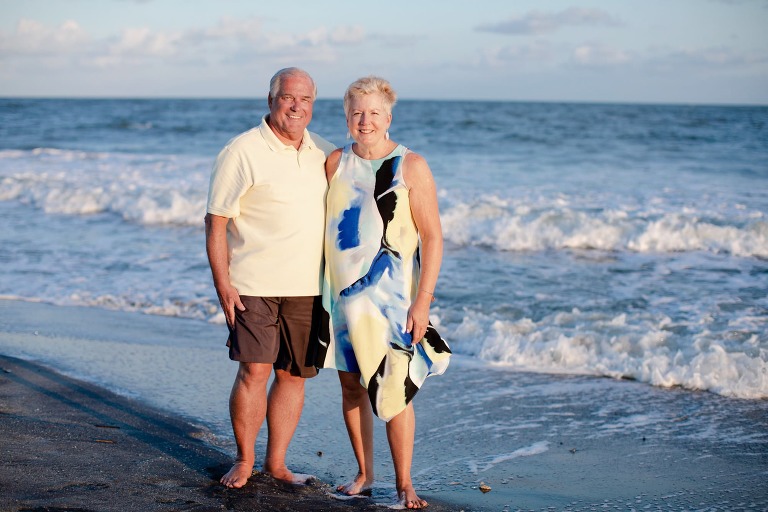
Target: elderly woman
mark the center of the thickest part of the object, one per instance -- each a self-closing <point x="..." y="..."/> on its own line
<point x="383" y="249"/>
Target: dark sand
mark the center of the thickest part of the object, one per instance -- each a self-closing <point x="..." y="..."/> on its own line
<point x="541" y="442"/>
<point x="66" y="445"/>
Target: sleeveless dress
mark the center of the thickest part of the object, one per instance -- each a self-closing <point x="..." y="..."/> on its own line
<point x="371" y="278"/>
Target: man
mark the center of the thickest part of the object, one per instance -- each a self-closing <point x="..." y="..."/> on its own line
<point x="264" y="238"/>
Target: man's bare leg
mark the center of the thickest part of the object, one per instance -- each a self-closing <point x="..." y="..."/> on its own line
<point x="358" y="417"/>
<point x="400" y="433"/>
<point x="285" y="402"/>
<point x="247" y="408"/>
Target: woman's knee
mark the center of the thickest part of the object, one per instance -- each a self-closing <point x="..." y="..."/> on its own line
<point x="351" y="387"/>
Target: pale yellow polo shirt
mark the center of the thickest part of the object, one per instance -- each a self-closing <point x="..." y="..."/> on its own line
<point x="274" y="197"/>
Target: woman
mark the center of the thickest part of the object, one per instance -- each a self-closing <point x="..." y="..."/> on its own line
<point x="383" y="250"/>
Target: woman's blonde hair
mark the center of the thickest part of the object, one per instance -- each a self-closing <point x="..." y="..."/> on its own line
<point x="370" y="85"/>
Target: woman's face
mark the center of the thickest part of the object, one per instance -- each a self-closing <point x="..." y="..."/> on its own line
<point x="368" y="120"/>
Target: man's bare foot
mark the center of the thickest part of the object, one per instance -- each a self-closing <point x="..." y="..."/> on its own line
<point x="286" y="476"/>
<point x="237" y="476"/>
<point x="360" y="486"/>
<point x="409" y="499"/>
<point x="302" y="479"/>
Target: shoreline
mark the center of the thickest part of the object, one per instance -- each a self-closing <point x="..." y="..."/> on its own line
<point x="544" y="442"/>
<point x="70" y="445"/>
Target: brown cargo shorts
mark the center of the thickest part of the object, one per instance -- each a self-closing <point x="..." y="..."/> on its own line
<point x="281" y="331"/>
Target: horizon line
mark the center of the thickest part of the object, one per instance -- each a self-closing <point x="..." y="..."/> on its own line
<point x="446" y="100"/>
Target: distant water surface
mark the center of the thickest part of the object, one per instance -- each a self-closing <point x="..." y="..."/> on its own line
<point x="619" y="240"/>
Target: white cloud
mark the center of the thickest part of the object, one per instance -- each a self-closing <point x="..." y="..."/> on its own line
<point x="668" y="61"/>
<point x="228" y="39"/>
<point x="599" y="55"/>
<point x="388" y="40"/>
<point x="454" y="54"/>
<point x="144" y="42"/>
<point x="706" y="58"/>
<point x="228" y="28"/>
<point x="538" y="22"/>
<point x="539" y="52"/>
<point x="33" y="38"/>
<point x="347" y="35"/>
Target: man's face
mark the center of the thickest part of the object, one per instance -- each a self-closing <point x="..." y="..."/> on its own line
<point x="291" y="110"/>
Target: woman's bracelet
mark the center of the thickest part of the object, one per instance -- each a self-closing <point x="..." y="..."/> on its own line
<point x="428" y="293"/>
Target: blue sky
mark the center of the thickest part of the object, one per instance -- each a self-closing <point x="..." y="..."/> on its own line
<point x="667" y="51"/>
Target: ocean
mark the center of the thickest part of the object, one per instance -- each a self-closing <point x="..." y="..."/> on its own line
<point x="582" y="240"/>
<point x="619" y="240"/>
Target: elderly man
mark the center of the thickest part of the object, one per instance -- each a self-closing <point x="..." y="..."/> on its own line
<point x="264" y="238"/>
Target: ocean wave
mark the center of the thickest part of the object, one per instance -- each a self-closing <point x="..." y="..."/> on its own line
<point x="637" y="346"/>
<point x="198" y="309"/>
<point x="142" y="189"/>
<point x="519" y="226"/>
<point x="172" y="190"/>
<point x="642" y="347"/>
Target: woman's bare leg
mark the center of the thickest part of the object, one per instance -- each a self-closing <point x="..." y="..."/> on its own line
<point x="400" y="433"/>
<point x="358" y="417"/>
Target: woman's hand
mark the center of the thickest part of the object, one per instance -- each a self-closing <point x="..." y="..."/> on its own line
<point x="418" y="317"/>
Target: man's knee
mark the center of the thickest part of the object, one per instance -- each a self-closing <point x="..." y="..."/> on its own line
<point x="252" y="374"/>
<point x="284" y="378"/>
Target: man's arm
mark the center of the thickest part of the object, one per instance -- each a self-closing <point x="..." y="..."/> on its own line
<point x="218" y="259"/>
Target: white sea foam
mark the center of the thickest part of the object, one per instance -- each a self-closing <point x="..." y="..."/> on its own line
<point x="148" y="256"/>
<point x="478" y="466"/>
<point x="144" y="189"/>
<point x="556" y="223"/>
<point x="171" y="190"/>
<point x="636" y="346"/>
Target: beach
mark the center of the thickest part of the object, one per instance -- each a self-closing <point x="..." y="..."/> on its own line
<point x="68" y="445"/>
<point x="604" y="291"/>
<point x="540" y="442"/>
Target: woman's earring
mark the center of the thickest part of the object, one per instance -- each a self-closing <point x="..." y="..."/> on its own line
<point x="349" y="136"/>
<point x="386" y="135"/>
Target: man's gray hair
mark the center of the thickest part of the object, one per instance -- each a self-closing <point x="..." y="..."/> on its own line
<point x="277" y="80"/>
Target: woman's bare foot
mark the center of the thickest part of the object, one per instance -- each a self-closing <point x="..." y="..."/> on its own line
<point x="409" y="499"/>
<point x="238" y="476"/>
<point x="360" y="486"/>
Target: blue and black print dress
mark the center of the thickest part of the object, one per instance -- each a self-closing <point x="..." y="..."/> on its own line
<point x="371" y="278"/>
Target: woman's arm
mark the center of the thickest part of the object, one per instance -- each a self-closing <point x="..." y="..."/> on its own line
<point x="426" y="215"/>
<point x="332" y="163"/>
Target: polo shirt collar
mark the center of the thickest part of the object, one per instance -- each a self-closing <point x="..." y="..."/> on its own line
<point x="276" y="144"/>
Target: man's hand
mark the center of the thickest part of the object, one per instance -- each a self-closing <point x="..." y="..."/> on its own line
<point x="229" y="300"/>
<point x="218" y="258"/>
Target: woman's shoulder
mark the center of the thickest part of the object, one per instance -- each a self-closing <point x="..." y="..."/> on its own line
<point x="415" y="169"/>
<point x="414" y="163"/>
<point x="413" y="158"/>
<point x="332" y="162"/>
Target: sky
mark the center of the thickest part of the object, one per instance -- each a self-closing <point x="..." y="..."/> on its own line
<point x="626" y="51"/>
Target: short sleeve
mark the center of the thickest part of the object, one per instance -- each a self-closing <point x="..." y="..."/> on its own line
<point x="229" y="181"/>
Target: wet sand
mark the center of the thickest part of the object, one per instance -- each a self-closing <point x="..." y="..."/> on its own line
<point x="69" y="445"/>
<point x="540" y="442"/>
